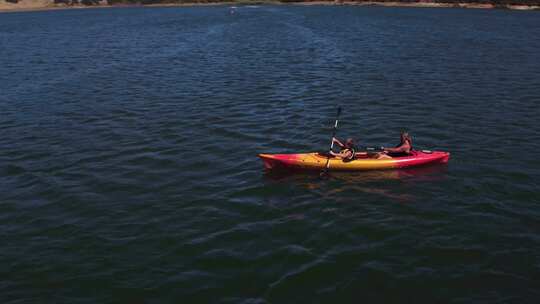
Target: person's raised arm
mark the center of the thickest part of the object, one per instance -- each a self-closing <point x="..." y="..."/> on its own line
<point x="338" y="142"/>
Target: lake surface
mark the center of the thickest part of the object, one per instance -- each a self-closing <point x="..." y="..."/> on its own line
<point x="128" y="143"/>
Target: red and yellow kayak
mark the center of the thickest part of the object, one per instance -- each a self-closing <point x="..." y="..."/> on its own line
<point x="317" y="161"/>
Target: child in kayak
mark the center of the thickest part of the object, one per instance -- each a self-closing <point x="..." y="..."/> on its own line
<point x="348" y="150"/>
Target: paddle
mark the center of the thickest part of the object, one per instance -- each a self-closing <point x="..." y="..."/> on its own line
<point x="324" y="172"/>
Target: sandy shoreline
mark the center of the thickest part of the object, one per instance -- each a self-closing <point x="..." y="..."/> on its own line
<point x="44" y="5"/>
<point x="51" y="6"/>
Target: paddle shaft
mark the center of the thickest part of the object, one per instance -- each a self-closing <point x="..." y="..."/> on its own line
<point x="332" y="144"/>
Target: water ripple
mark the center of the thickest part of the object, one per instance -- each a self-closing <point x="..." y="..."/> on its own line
<point x="129" y="140"/>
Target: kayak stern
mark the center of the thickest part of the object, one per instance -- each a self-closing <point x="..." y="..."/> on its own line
<point x="270" y="162"/>
<point x="279" y="161"/>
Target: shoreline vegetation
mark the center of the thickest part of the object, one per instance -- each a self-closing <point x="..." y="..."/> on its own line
<point x="33" y="5"/>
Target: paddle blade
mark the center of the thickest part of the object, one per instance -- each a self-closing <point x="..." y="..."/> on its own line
<point x="338" y="111"/>
<point x="324" y="174"/>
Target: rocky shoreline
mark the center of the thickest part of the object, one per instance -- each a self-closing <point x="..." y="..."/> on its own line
<point x="428" y="4"/>
<point x="33" y="5"/>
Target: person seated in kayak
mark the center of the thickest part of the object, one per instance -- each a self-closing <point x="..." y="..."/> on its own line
<point x="348" y="150"/>
<point x="403" y="149"/>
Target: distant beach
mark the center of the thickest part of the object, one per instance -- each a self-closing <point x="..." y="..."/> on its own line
<point x="43" y="5"/>
<point x="33" y="5"/>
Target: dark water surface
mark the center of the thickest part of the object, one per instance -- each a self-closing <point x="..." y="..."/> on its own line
<point x="128" y="168"/>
